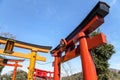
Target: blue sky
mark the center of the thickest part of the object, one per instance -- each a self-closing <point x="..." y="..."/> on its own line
<point x="46" y="22"/>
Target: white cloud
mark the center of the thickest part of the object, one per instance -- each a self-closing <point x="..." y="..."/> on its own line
<point x="113" y="2"/>
<point x="115" y="66"/>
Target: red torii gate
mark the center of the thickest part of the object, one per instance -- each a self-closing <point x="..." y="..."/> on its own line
<point x="80" y="35"/>
<point x="3" y="62"/>
<point x="43" y="74"/>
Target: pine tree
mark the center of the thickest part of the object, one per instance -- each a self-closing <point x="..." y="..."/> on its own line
<point x="101" y="56"/>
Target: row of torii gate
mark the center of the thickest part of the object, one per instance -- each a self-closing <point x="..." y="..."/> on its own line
<point x="77" y="43"/>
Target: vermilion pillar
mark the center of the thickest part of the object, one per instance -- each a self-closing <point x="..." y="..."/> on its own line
<point x="89" y="71"/>
<point x="14" y="73"/>
<point x="57" y="67"/>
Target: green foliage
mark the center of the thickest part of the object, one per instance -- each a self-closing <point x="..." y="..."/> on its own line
<point x="118" y="72"/>
<point x="101" y="56"/>
<point x="21" y="75"/>
<point x="114" y="74"/>
<point x="5" y="77"/>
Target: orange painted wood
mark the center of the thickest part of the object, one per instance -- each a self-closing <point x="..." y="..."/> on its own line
<point x="70" y="55"/>
<point x="96" y="41"/>
<point x="57" y="67"/>
<point x="92" y="42"/>
<point x="88" y="67"/>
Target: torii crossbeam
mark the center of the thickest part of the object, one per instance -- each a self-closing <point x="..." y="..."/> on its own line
<point x="81" y="35"/>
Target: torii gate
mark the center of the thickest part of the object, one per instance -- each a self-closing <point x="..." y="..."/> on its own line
<point x="80" y="35"/>
<point x="10" y="43"/>
<point x="3" y="62"/>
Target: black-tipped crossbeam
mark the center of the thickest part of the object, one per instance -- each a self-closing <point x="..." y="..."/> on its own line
<point x="101" y="9"/>
<point x="26" y="45"/>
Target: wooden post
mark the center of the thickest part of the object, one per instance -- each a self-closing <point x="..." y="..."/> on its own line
<point x="32" y="65"/>
<point x="89" y="71"/>
<point x="57" y="67"/>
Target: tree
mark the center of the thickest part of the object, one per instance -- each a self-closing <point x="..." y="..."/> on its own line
<point x="101" y="56"/>
<point x="21" y="75"/>
<point x="118" y="72"/>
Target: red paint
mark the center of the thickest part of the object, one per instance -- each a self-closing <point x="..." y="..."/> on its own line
<point x="89" y="71"/>
<point x="43" y="74"/>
